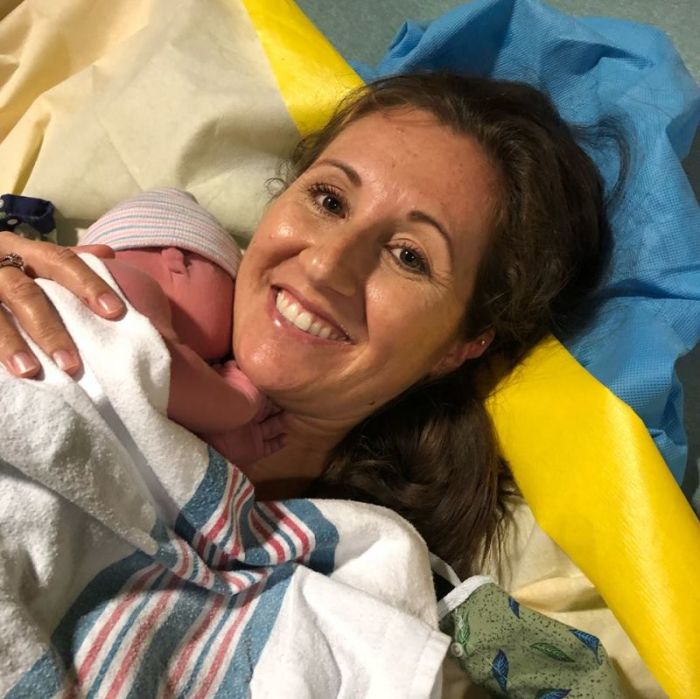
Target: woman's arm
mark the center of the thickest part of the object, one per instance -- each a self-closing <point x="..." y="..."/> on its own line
<point x="32" y="310"/>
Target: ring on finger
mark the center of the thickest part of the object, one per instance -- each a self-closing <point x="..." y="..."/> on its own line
<point x="12" y="260"/>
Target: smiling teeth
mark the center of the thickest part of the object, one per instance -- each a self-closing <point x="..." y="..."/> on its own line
<point x="304" y="320"/>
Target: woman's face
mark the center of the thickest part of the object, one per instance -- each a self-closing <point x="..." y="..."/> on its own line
<point x="357" y="280"/>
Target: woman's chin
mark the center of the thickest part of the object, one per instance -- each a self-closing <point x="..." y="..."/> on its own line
<point x="291" y="390"/>
<point x="283" y="368"/>
<point x="269" y="372"/>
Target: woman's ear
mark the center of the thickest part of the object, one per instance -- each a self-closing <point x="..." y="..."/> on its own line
<point x="460" y="352"/>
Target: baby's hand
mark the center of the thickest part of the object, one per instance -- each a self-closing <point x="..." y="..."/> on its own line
<point x="235" y="378"/>
<point x="262" y="436"/>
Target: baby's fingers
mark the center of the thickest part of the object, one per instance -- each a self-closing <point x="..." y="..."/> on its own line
<point x="273" y="445"/>
<point x="273" y="427"/>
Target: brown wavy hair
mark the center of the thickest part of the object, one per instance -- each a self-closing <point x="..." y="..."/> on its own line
<point x="432" y="454"/>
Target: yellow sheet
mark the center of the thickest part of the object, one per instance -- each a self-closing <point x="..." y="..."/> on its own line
<point x="102" y="99"/>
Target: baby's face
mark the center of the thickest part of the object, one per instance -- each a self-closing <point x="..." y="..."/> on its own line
<point x="200" y="294"/>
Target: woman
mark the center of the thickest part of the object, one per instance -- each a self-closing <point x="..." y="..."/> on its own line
<point x="436" y="222"/>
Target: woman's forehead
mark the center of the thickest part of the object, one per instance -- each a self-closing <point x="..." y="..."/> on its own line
<point x="416" y="161"/>
<point x="385" y="130"/>
<point x="418" y="144"/>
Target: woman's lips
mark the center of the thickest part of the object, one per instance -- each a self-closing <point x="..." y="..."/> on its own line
<point x="295" y="313"/>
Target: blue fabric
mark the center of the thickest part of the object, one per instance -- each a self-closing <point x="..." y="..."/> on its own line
<point x="27" y="216"/>
<point x="594" y="68"/>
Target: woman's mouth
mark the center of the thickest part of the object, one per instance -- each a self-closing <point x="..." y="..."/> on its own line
<point x="292" y="310"/>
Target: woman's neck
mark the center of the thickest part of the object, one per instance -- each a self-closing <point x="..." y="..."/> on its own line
<point x="285" y="474"/>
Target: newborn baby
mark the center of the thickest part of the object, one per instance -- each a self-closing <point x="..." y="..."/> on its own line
<point x="176" y="265"/>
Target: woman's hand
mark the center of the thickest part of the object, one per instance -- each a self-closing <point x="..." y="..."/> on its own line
<point x="35" y="313"/>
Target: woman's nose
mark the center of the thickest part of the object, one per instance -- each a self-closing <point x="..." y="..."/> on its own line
<point x="340" y="262"/>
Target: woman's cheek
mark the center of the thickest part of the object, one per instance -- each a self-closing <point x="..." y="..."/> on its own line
<point x="409" y="325"/>
<point x="261" y="361"/>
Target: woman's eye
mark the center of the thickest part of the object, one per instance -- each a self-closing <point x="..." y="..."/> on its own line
<point x="327" y="200"/>
<point x="331" y="204"/>
<point x="410" y="259"/>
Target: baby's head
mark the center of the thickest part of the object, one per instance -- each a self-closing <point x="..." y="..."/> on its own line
<point x="165" y="217"/>
<point x="186" y="250"/>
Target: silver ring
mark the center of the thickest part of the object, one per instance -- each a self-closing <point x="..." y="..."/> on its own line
<point x="12" y="260"/>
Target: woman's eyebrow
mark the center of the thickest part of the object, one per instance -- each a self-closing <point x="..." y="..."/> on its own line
<point x="349" y="171"/>
<point x="419" y="216"/>
<point x="422" y="217"/>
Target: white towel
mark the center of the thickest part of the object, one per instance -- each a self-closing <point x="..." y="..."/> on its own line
<point x="133" y="557"/>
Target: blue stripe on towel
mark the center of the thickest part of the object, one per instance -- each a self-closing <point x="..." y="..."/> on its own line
<point x="165" y="642"/>
<point x="190" y="607"/>
<point x="235" y="684"/>
<point x="46" y="676"/>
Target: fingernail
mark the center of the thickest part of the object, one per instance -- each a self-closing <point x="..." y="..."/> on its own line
<point x="65" y="360"/>
<point x="23" y="364"/>
<point x="109" y="304"/>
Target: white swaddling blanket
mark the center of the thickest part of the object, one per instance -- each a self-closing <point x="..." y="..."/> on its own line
<point x="135" y="560"/>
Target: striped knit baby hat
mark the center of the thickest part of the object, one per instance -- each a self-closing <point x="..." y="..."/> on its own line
<point x="165" y="217"/>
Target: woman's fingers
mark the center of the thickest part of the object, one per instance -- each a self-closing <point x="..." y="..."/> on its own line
<point x="35" y="314"/>
<point x="65" y="267"/>
<point x="33" y="311"/>
<point x="98" y="250"/>
<point x="42" y="259"/>
<point x="14" y="352"/>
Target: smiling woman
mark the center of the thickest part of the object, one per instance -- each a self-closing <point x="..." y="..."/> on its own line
<point x="436" y="223"/>
<point x="350" y="246"/>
